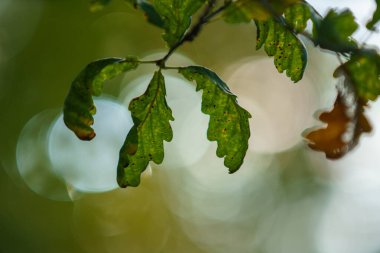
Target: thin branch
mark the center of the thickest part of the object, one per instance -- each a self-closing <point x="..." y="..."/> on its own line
<point x="205" y="17"/>
<point x="148" y="62"/>
<point x="169" y="67"/>
<point x="217" y="11"/>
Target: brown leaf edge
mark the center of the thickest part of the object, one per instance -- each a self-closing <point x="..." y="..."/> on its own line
<point x="345" y="124"/>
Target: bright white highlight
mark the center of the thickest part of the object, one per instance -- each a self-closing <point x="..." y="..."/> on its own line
<point x="91" y="166"/>
<point x="280" y="109"/>
<point x="190" y="142"/>
<point x="33" y="161"/>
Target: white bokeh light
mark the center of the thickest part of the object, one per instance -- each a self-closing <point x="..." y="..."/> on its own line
<point x="90" y="166"/>
<point x="362" y="11"/>
<point x="33" y="161"/>
<point x="189" y="142"/>
<point x="280" y="109"/>
<point x="351" y="220"/>
<point x="206" y="199"/>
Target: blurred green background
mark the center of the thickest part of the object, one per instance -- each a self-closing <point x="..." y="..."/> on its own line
<point x="286" y="199"/>
<point x="44" y="45"/>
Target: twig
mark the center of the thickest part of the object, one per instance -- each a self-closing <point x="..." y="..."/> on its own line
<point x="194" y="30"/>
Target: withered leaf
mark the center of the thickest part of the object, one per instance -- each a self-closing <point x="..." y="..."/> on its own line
<point x="343" y="131"/>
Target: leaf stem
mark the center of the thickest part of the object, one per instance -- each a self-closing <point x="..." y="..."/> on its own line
<point x="193" y="32"/>
<point x="169" y="67"/>
<point x="149" y="62"/>
<point x="217" y="11"/>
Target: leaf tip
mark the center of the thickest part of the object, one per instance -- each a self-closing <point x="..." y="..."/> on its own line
<point x="343" y="130"/>
<point x="86" y="137"/>
<point x="122" y="183"/>
<point x="233" y="170"/>
<point x="125" y="178"/>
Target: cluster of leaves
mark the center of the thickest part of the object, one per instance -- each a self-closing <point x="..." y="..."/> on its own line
<point x="360" y="83"/>
<point x="279" y="24"/>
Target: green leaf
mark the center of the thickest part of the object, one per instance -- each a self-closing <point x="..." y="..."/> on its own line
<point x="97" y="5"/>
<point x="363" y="70"/>
<point x="149" y="11"/>
<point x="228" y="124"/>
<point x="278" y="6"/>
<point x="176" y="16"/>
<point x="144" y="143"/>
<point x="335" y="30"/>
<point x="242" y="11"/>
<point x="296" y="16"/>
<point x="79" y="105"/>
<point x="288" y="51"/>
<point x="151" y="14"/>
<point x="375" y="18"/>
<point x="346" y="123"/>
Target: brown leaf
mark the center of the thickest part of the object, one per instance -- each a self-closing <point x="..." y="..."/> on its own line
<point x="345" y="124"/>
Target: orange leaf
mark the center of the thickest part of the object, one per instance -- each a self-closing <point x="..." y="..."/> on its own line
<point x="343" y="129"/>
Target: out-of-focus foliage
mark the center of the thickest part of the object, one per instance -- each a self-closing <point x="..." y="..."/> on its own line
<point x="344" y="128"/>
<point x="334" y="31"/>
<point x="346" y="122"/>
<point x="241" y="11"/>
<point x="363" y="70"/>
<point x="375" y="17"/>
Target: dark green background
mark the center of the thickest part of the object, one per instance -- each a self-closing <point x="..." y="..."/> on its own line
<point x="48" y="42"/>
